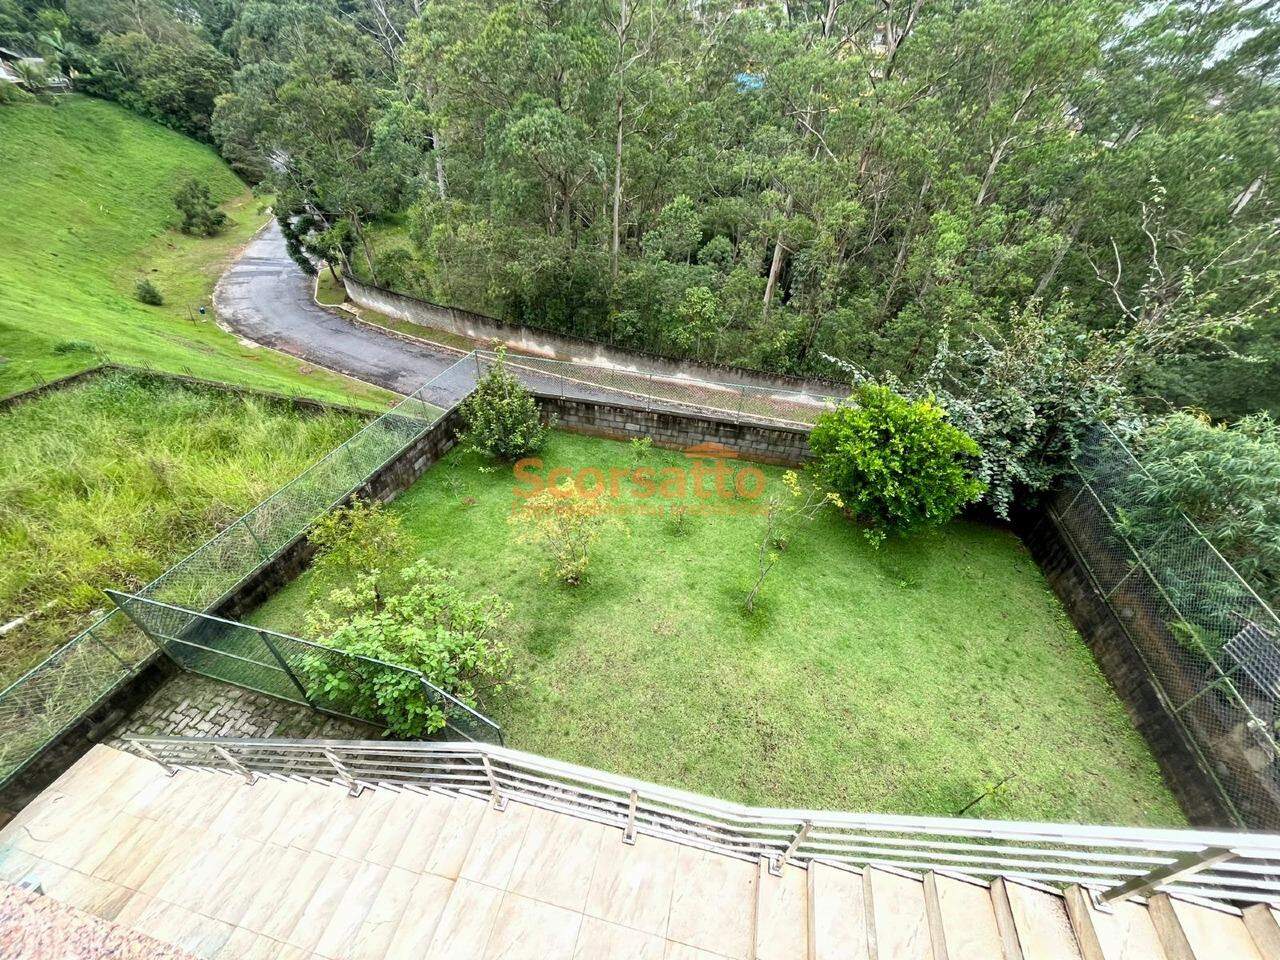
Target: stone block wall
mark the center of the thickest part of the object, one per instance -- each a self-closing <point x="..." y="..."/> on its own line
<point x="787" y="446"/>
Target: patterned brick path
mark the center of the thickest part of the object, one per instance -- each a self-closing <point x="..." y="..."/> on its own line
<point x="190" y="705"/>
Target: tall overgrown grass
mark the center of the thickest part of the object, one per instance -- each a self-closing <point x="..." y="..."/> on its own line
<point x="107" y="483"/>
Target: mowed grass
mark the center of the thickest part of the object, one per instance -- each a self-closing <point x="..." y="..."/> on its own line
<point x="908" y="679"/>
<point x="89" y="192"/>
<point x="106" y="483"/>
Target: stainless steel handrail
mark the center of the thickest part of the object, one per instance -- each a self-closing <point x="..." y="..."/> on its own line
<point x="1126" y="861"/>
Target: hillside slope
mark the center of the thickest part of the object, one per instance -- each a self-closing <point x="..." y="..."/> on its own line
<point x="86" y="189"/>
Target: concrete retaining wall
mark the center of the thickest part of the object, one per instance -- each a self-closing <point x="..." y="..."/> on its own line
<point x="562" y="346"/>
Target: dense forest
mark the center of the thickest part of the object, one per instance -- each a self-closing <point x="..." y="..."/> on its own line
<point x="884" y="186"/>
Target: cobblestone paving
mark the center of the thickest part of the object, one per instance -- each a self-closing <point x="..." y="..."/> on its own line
<point x="190" y="705"/>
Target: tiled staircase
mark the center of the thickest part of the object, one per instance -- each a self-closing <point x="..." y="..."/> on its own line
<point x="286" y="869"/>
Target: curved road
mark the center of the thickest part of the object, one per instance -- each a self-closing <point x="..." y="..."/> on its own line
<point x="266" y="298"/>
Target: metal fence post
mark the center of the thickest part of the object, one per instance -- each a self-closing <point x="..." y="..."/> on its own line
<point x="629" y="834"/>
<point x="147" y="752"/>
<point x="499" y="801"/>
<point x="262" y="550"/>
<point x="354" y="787"/>
<point x="1184" y="866"/>
<point x="284" y="665"/>
<point x="100" y="642"/>
<point x="236" y="765"/>
<point x="776" y="863"/>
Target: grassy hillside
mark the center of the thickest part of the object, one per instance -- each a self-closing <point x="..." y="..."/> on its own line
<point x="87" y="188"/>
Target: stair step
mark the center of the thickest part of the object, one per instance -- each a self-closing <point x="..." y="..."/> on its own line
<point x="837" y="914"/>
<point x="962" y="919"/>
<point x="782" y="914"/>
<point x="460" y="931"/>
<point x="1260" y="921"/>
<point x="898" y="927"/>
<point x="713" y="903"/>
<point x="632" y="884"/>
<point x="1040" y="923"/>
<point x="1123" y="931"/>
<point x="1191" y="932"/>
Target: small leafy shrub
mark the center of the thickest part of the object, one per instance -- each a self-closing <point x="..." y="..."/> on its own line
<point x="200" y="215"/>
<point x="680" y="519"/>
<point x="640" y="447"/>
<point x="146" y="292"/>
<point x="501" y="416"/>
<point x="431" y="626"/>
<point x="897" y="464"/>
<point x="359" y="541"/>
<point x="565" y="525"/>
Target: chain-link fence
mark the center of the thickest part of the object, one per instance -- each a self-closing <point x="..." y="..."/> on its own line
<point x="1210" y="644"/>
<point x="54" y="695"/>
<point x="732" y="401"/>
<point x="326" y="679"/>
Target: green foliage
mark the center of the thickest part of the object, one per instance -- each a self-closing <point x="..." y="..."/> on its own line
<point x="106" y="482"/>
<point x="1226" y="478"/>
<point x="564" y="524"/>
<point x="432" y="626"/>
<point x="500" y="416"/>
<point x="897" y="464"/>
<point x="360" y="541"/>
<point x="147" y="293"/>
<point x="200" y="215"/>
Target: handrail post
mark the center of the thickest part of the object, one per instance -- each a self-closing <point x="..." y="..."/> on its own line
<point x="354" y="788"/>
<point x="498" y="801"/>
<point x="149" y="754"/>
<point x="776" y="863"/>
<point x="1184" y="866"/>
<point x="629" y="834"/>
<point x="249" y="776"/>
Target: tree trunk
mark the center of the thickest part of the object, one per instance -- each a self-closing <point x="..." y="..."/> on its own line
<point x="617" y="190"/>
<point x="437" y="153"/>
<point x="775" y="266"/>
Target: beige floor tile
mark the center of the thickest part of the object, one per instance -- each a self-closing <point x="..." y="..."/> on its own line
<point x="306" y="822"/>
<point x="372" y="813"/>
<point x="130" y="864"/>
<point x="682" y="951"/>
<point x="396" y="827"/>
<point x="527" y="929"/>
<point x="557" y="858"/>
<point x="419" y="921"/>
<point x="294" y="882"/>
<point x="839" y="925"/>
<point x="598" y="940"/>
<point x="349" y="913"/>
<point x="632" y="885"/>
<point x="245" y="945"/>
<point x="713" y="903"/>
<point x="454" y="839"/>
<point x="782" y="914"/>
<point x="419" y="841"/>
<point x="189" y="886"/>
<point x="269" y="818"/>
<point x="99" y="897"/>
<point x="496" y="844"/>
<point x="345" y="812"/>
<point x="182" y="928"/>
<point x="464" y="927"/>
<point x="239" y="892"/>
<point x="373" y="940"/>
<point x="323" y="905"/>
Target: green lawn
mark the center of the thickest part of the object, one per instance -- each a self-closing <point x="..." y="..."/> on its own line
<point x="105" y="483"/>
<point x="902" y="680"/>
<point x="88" y="188"/>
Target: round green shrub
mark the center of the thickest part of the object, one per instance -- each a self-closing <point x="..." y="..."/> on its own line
<point x="897" y="464"/>
<point x="501" y="417"/>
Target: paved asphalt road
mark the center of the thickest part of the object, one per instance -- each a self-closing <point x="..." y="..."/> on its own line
<point x="266" y="298"/>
